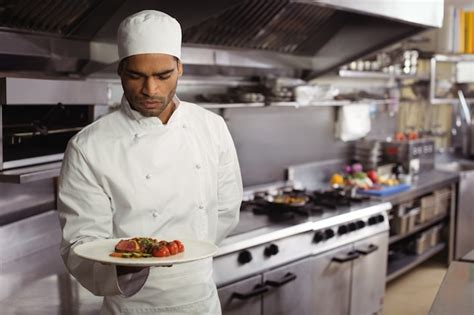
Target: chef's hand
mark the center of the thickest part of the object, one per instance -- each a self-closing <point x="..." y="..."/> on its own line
<point x="122" y="270"/>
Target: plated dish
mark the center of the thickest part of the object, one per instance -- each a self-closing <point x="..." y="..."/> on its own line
<point x="101" y="250"/>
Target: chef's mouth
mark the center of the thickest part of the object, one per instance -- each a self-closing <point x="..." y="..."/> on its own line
<point x="151" y="104"/>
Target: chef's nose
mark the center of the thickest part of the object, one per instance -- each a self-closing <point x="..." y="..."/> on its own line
<point x="151" y="86"/>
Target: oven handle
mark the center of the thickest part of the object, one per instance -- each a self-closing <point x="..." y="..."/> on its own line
<point x="286" y="278"/>
<point x="259" y="289"/>
<point x="369" y="249"/>
<point x="348" y="257"/>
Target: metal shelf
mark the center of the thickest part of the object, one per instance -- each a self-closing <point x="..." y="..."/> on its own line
<point x="437" y="101"/>
<point x="454" y="57"/>
<point x="30" y="174"/>
<point x="230" y="105"/>
<point x="401" y="266"/>
<point x="378" y="75"/>
<point x="418" y="228"/>
<point x="323" y="103"/>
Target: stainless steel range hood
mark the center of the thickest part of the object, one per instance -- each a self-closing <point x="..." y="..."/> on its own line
<point x="304" y="37"/>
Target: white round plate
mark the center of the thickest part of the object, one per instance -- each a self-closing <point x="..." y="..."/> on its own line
<point x="100" y="250"/>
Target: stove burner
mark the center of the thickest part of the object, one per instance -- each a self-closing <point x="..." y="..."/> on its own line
<point x="334" y="198"/>
<point x="278" y="212"/>
<point x="275" y="216"/>
<point x="319" y="201"/>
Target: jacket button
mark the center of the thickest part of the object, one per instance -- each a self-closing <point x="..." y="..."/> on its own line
<point x="201" y="207"/>
<point x="198" y="166"/>
<point x="155" y="214"/>
<point x="148" y="176"/>
<point x="184" y="125"/>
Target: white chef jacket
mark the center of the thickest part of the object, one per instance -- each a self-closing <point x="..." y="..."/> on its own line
<point x="127" y="175"/>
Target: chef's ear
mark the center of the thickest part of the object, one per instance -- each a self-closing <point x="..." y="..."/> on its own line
<point x="180" y="67"/>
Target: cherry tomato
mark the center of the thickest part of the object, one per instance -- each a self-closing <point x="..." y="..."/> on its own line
<point x="180" y="246"/>
<point x="160" y="251"/>
<point x="173" y="248"/>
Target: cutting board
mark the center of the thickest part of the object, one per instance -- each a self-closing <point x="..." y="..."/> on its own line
<point x="385" y="191"/>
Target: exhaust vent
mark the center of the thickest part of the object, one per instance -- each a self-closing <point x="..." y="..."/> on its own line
<point x="48" y="16"/>
<point x="273" y="25"/>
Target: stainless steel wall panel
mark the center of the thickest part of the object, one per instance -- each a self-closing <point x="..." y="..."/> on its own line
<point x="42" y="91"/>
<point x="268" y="140"/>
<point x="20" y="200"/>
<point x="30" y="235"/>
<point x="315" y="175"/>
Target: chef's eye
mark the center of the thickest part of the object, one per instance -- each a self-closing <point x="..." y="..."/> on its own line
<point x="133" y="76"/>
<point x="164" y="77"/>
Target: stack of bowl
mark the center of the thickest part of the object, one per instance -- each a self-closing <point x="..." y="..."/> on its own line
<point x="368" y="153"/>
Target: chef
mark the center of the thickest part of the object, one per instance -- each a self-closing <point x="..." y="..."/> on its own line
<point x="157" y="167"/>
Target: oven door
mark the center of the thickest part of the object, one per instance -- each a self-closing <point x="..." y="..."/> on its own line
<point x="242" y="297"/>
<point x="290" y="289"/>
<point x="317" y="285"/>
<point x="34" y="134"/>
<point x="369" y="272"/>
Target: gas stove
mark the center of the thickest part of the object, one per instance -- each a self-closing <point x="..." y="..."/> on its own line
<point x="260" y="211"/>
<point x="271" y="234"/>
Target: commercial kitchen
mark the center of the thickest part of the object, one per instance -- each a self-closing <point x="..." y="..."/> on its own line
<point x="352" y="123"/>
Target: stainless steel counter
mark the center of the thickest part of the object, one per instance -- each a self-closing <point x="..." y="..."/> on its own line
<point x="456" y="294"/>
<point x="426" y="183"/>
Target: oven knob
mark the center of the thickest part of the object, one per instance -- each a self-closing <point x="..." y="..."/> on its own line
<point x="380" y="218"/>
<point x="244" y="257"/>
<point x="360" y="224"/>
<point x="372" y="220"/>
<point x="342" y="230"/>
<point x="329" y="233"/>
<point x="271" y="250"/>
<point x="318" y="237"/>
<point x="352" y="226"/>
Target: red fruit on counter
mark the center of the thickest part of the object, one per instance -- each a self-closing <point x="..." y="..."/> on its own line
<point x="400" y="136"/>
<point x="412" y="135"/>
<point x="373" y="176"/>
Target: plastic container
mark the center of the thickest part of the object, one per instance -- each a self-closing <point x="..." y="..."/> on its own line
<point x="435" y="235"/>
<point x="427" y="208"/>
<point x="422" y="243"/>
<point x="442" y="201"/>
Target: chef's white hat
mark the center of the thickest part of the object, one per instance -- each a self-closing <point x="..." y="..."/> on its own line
<point x="149" y="32"/>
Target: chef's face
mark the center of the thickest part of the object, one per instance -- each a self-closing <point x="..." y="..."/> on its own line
<point x="149" y="82"/>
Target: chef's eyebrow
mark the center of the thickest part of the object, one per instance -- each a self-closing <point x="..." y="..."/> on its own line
<point x="157" y="74"/>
